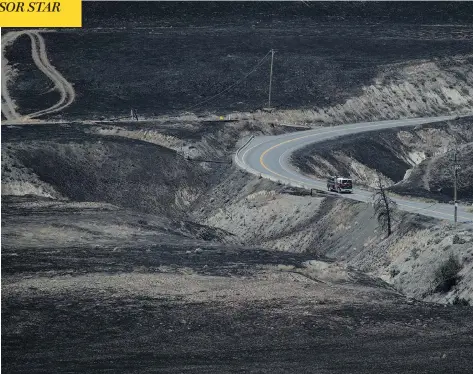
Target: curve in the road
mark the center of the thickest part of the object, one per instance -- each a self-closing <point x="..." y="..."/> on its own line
<point x="40" y="58"/>
<point x="269" y="157"/>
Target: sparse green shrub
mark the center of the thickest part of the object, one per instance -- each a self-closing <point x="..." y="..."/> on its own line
<point x="446" y="276"/>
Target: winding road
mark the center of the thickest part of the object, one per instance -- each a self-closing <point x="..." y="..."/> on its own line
<point x="269" y="157"/>
<point x="40" y="58"/>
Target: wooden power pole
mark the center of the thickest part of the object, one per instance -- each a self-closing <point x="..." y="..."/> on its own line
<point x="271" y="77"/>
<point x="455" y="185"/>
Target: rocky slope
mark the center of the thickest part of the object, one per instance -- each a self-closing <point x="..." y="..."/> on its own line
<point x="346" y="232"/>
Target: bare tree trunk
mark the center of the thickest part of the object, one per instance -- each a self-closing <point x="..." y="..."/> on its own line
<point x="384" y="207"/>
<point x="389" y="214"/>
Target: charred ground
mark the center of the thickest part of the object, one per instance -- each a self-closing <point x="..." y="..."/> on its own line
<point x="167" y="63"/>
<point x="97" y="283"/>
<point x="122" y="254"/>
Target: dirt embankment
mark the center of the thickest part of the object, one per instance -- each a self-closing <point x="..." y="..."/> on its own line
<point x="154" y="168"/>
<point x="66" y="162"/>
<point x="416" y="161"/>
<point x="408" y="89"/>
<point x="346" y="232"/>
<point x="209" y="139"/>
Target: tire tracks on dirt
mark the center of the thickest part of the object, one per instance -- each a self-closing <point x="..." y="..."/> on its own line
<point x="41" y="60"/>
<point x="8" y="105"/>
<point x="40" y="57"/>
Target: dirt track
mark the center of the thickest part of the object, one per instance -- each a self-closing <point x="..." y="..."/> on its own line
<point x="8" y="106"/>
<point x="40" y="58"/>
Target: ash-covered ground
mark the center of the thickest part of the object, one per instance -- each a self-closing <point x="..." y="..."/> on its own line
<point x="92" y="287"/>
<point x="166" y="59"/>
<point x="139" y="247"/>
<point x="100" y="282"/>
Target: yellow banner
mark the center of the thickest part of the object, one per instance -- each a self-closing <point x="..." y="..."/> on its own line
<point x="25" y="13"/>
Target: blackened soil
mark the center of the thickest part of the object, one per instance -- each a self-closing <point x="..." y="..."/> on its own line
<point x="33" y="243"/>
<point x="208" y="260"/>
<point x="81" y="330"/>
<point x="160" y="58"/>
<point x="87" y="167"/>
<point x="88" y="333"/>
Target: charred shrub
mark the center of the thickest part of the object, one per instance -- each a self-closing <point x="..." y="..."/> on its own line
<point x="446" y="276"/>
<point x="393" y="272"/>
<point x="460" y="301"/>
<point x="458" y="240"/>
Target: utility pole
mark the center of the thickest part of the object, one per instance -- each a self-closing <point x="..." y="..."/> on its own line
<point x="455" y="183"/>
<point x="271" y="77"/>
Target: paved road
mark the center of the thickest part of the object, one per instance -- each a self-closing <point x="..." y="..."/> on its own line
<point x="269" y="156"/>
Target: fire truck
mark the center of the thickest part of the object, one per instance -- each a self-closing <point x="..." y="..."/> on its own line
<point x="339" y="184"/>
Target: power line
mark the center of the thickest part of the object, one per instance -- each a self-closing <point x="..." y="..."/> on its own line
<point x="233" y="85"/>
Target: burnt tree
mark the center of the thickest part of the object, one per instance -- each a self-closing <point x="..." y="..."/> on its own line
<point x="384" y="207"/>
